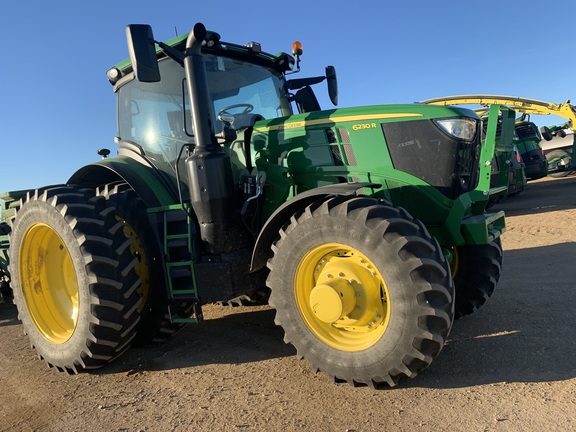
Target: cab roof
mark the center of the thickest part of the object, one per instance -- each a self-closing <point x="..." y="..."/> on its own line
<point x="250" y="52"/>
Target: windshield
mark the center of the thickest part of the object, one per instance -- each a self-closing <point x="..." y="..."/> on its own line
<point x="156" y="116"/>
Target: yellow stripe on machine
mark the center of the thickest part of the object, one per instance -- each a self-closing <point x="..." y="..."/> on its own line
<point x="333" y="120"/>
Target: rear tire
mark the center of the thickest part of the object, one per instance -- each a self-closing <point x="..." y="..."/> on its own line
<point x="125" y="205"/>
<point x="476" y="271"/>
<point x="362" y="291"/>
<point x="73" y="279"/>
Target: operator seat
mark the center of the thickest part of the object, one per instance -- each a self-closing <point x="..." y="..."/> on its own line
<point x="306" y="100"/>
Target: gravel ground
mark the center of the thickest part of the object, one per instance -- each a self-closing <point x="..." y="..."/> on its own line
<point x="508" y="367"/>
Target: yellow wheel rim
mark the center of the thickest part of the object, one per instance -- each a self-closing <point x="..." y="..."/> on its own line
<point x="342" y="297"/>
<point x="141" y="268"/>
<point x="49" y="283"/>
<point x="451" y="254"/>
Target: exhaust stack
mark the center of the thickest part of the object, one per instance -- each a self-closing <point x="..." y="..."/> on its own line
<point x="209" y="168"/>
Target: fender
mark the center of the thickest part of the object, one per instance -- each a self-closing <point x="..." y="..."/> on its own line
<point x="146" y="181"/>
<point x="275" y="222"/>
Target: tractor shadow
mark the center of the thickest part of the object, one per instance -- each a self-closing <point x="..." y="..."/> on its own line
<point x="236" y="335"/>
<point x="541" y="196"/>
<point x="524" y="333"/>
<point x="8" y="314"/>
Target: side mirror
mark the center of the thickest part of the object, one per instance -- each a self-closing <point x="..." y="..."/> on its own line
<point x="142" y="49"/>
<point x="332" y="84"/>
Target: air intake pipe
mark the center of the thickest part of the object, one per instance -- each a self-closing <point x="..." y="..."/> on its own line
<point x="209" y="168"/>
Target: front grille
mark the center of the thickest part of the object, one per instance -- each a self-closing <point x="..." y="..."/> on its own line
<point x="420" y="148"/>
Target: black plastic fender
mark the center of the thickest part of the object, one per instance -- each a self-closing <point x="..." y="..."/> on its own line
<point x="146" y="181"/>
<point x="269" y="231"/>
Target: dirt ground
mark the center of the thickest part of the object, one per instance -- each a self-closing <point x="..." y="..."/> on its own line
<point x="509" y="367"/>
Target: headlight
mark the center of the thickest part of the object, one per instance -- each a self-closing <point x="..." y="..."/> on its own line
<point x="461" y="128"/>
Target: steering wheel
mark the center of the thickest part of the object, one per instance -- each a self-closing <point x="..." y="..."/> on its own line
<point x="247" y="108"/>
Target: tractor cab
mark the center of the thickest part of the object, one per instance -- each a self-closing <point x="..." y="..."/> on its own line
<point x="243" y="85"/>
<point x="154" y="118"/>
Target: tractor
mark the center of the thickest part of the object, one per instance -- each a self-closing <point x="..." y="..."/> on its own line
<point x="559" y="144"/>
<point x="527" y="140"/>
<point x="364" y="228"/>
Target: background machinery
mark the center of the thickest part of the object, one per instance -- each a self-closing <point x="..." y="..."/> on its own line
<point x="366" y="224"/>
<point x="513" y="166"/>
<point x="557" y="152"/>
<point x="527" y="140"/>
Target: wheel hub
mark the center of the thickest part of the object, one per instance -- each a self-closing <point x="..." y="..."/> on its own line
<point x="342" y="297"/>
<point x="333" y="300"/>
<point x="451" y="255"/>
<point x="141" y="268"/>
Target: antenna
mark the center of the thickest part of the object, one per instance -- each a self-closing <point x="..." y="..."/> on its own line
<point x="176" y="31"/>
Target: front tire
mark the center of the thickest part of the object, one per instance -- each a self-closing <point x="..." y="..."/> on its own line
<point x="73" y="279"/>
<point x="362" y="291"/>
<point x="476" y="270"/>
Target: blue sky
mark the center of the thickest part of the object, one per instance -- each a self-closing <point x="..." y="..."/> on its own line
<point x="57" y="107"/>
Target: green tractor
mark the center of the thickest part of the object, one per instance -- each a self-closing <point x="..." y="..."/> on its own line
<point x="527" y="139"/>
<point x="559" y="147"/>
<point x="508" y="168"/>
<point x="365" y="226"/>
